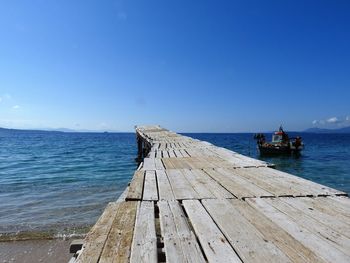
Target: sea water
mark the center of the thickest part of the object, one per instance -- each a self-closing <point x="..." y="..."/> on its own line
<point x="60" y="182"/>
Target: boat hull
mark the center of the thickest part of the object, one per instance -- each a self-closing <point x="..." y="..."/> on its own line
<point x="277" y="150"/>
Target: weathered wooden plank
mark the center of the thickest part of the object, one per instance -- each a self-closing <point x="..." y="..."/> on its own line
<point x="194" y="163"/>
<point x="178" y="153"/>
<point x="269" y="184"/>
<point x="136" y="186"/>
<point x="198" y="185"/>
<point x="237" y="160"/>
<point x="296" y="251"/>
<point x="213" y="242"/>
<point x="117" y="246"/>
<point x="155" y="145"/>
<point x="215" y="188"/>
<point x="165" y="154"/>
<point x="159" y="164"/>
<point x="277" y="184"/>
<point x="335" y="239"/>
<point x="184" y="153"/>
<point x="150" y="192"/>
<point x="192" y="152"/>
<point x="318" y="211"/>
<point x="148" y="164"/>
<point x="151" y="155"/>
<point x="181" y="187"/>
<point x="236" y="185"/>
<point x="164" y="188"/>
<point x="159" y="154"/>
<point x="252" y="188"/>
<point x="187" y="163"/>
<point x="340" y="205"/>
<point x="315" y="188"/>
<point x="318" y="244"/>
<point x="171" y="154"/>
<point x="179" y="241"/>
<point x="144" y="244"/>
<point x="182" y="163"/>
<point x="216" y="161"/>
<point x="249" y="243"/>
<point x="162" y="146"/>
<point x="167" y="163"/>
<point x="97" y="236"/>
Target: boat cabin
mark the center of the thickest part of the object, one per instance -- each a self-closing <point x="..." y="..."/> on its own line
<point x="277" y="138"/>
<point x="280" y="137"/>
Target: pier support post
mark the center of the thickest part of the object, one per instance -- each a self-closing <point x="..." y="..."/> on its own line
<point x="139" y="149"/>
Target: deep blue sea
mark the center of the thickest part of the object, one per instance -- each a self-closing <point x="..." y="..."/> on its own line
<point x="61" y="182"/>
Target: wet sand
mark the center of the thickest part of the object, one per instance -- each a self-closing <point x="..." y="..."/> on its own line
<point x="35" y="251"/>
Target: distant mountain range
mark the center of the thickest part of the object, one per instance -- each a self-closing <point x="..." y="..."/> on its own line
<point x="319" y="130"/>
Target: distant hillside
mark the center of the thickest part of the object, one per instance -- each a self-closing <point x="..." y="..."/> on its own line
<point x="319" y="130"/>
<point x="23" y="130"/>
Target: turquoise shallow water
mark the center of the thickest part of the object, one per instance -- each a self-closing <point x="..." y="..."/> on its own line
<point x="57" y="181"/>
<point x="61" y="182"/>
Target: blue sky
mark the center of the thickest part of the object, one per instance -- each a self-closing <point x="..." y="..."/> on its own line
<point x="200" y="66"/>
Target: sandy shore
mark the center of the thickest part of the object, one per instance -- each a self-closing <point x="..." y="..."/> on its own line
<point x="34" y="251"/>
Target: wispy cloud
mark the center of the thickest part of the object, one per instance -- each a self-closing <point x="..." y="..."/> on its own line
<point x="15" y="107"/>
<point x="333" y="122"/>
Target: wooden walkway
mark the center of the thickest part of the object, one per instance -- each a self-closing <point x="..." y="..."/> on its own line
<point x="191" y="201"/>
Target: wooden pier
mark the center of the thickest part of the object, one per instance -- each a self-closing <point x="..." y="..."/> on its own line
<point x="190" y="201"/>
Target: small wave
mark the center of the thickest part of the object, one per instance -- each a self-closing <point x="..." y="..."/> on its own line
<point x="49" y="234"/>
